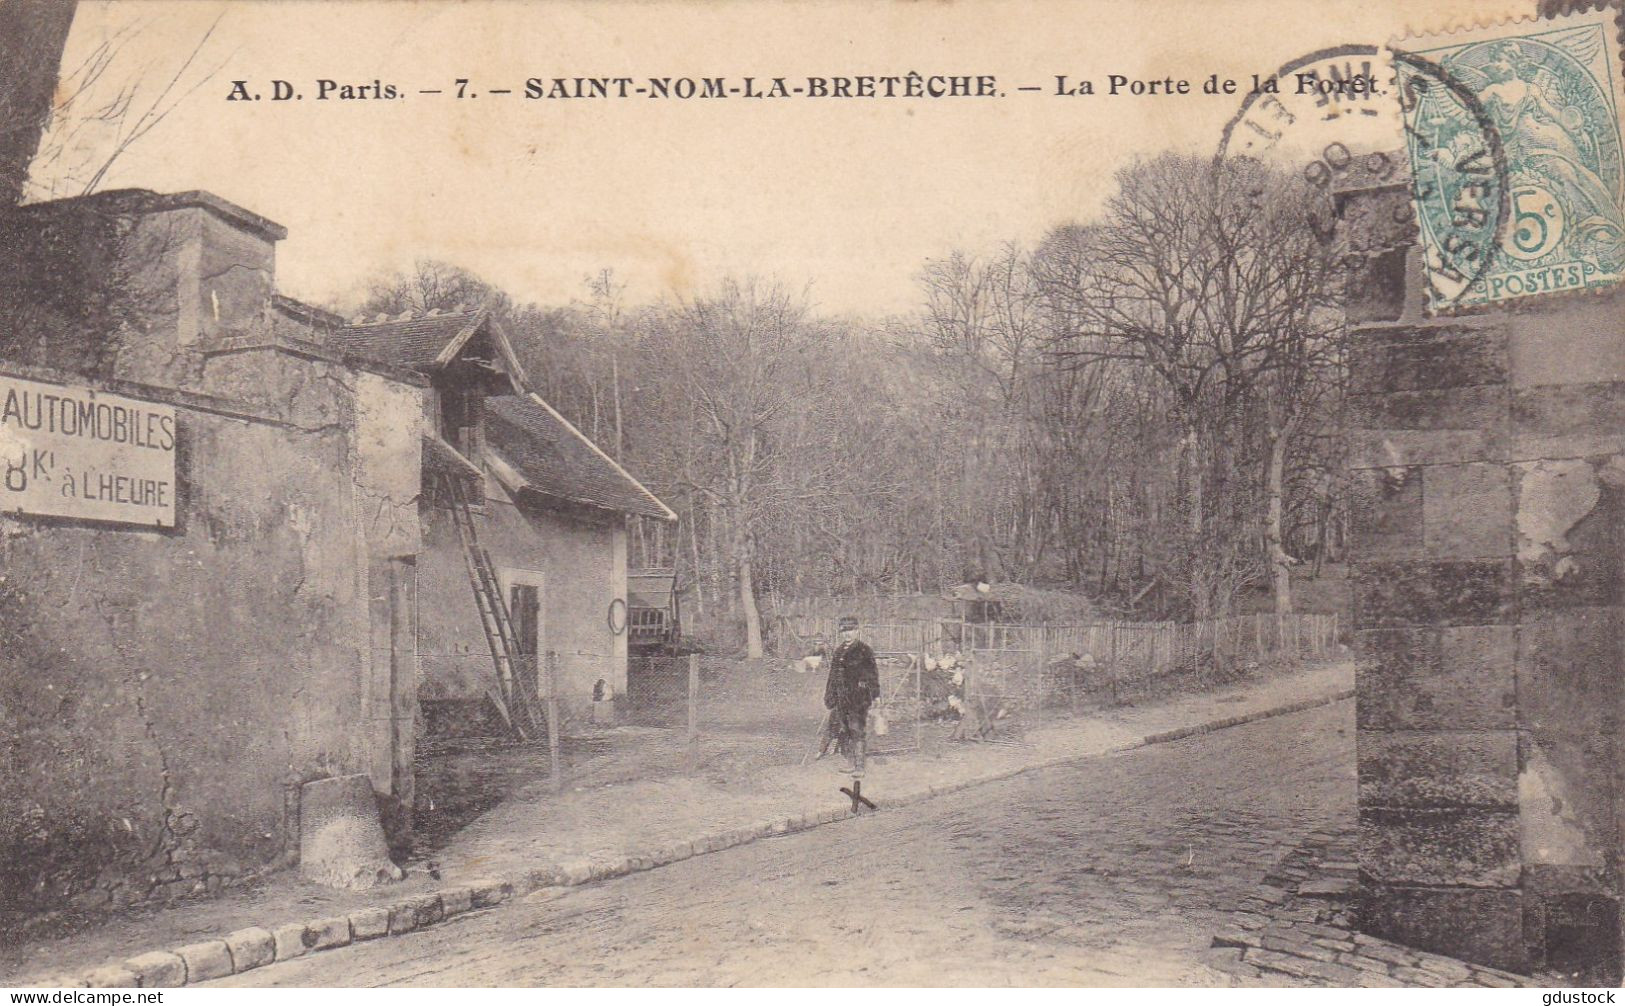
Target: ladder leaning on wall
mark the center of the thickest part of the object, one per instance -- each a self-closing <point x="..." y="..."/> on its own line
<point x="494" y="620"/>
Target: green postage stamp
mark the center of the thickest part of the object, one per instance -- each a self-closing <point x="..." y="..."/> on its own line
<point x="1513" y="134"/>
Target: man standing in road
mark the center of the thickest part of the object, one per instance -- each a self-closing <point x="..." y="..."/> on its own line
<point x="853" y="685"/>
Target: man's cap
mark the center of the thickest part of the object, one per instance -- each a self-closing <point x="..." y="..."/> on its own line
<point x="847" y="622"/>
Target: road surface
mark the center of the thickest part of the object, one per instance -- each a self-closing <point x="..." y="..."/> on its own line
<point x="1112" y="871"/>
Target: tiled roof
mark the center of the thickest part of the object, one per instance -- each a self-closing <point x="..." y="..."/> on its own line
<point x="556" y="460"/>
<point x="414" y="342"/>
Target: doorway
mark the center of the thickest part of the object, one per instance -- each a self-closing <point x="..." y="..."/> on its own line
<point x="524" y="593"/>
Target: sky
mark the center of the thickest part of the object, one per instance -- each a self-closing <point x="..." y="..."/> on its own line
<point x="845" y="197"/>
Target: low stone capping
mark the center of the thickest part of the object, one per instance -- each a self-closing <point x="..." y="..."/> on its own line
<point x="325" y="934"/>
<point x="369" y="924"/>
<point x="1181" y="733"/>
<point x="157" y="970"/>
<point x="290" y="941"/>
<point x="210" y="959"/>
<point x="456" y="900"/>
<point x="427" y="910"/>
<point x="403" y="917"/>
<point x="110" y="976"/>
<point x="251" y="948"/>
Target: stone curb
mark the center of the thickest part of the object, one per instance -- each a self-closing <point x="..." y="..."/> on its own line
<point x="1236" y="721"/>
<point x="258" y="946"/>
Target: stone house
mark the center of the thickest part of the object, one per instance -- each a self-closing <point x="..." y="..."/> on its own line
<point x="548" y="507"/>
<point x="218" y="566"/>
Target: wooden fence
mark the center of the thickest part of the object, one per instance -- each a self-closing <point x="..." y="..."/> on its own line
<point x="1043" y="666"/>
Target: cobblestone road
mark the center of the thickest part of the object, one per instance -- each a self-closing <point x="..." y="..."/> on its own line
<point x="1114" y="871"/>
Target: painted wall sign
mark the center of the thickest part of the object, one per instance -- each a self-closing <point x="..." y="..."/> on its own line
<point x="74" y="452"/>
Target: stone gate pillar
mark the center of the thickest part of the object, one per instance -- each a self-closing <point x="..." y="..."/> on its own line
<point x="1486" y="455"/>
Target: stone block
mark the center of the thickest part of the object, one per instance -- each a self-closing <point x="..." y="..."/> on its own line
<point x="1432" y="592"/>
<point x="1368" y="176"/>
<point x="1567" y="795"/>
<point x="1410" y="358"/>
<point x="1472" y="847"/>
<point x="1401" y="448"/>
<point x="292" y="940"/>
<point x="427" y="910"/>
<point x="1335" y="889"/>
<point x="1460" y="677"/>
<point x="488" y="892"/>
<point x="1379" y="219"/>
<point x="403" y="916"/>
<point x="324" y="934"/>
<point x="1466" y="511"/>
<point x="1482" y="407"/>
<point x="1374" y="286"/>
<point x="1575" y="341"/>
<point x="158" y="970"/>
<point x="111" y="976"/>
<point x="456" y="900"/>
<point x="1383" y="951"/>
<point x="576" y="871"/>
<point x="1568" y="534"/>
<point x="1386" y="512"/>
<point x="206" y="960"/>
<point x="1569" y="674"/>
<point x="369" y="924"/>
<point x="1447" y="968"/>
<point x="341" y="841"/>
<point x="1302" y="967"/>
<point x="1480" y="926"/>
<point x="1572" y="923"/>
<point x="1435" y="769"/>
<point x="1571" y="420"/>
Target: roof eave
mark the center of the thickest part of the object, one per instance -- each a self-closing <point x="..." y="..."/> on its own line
<point x="665" y="512"/>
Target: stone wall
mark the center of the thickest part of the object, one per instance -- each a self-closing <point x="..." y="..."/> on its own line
<point x="164" y="693"/>
<point x="1486" y="451"/>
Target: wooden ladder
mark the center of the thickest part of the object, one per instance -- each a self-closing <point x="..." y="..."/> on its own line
<point x="494" y="619"/>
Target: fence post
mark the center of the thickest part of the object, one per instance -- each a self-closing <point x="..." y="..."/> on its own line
<point x="693" y="745"/>
<point x="1043" y="667"/>
<point x="919" y="691"/>
<point x="1076" y="670"/>
<point x="555" y="770"/>
<point x="1111" y="668"/>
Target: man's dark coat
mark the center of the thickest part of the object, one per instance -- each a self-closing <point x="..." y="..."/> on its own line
<point x="854" y="681"/>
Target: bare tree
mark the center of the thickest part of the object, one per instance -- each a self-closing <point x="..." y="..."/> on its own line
<point x="63" y="129"/>
<point x="1204" y="276"/>
<point x="430" y="285"/>
<point x="747" y="360"/>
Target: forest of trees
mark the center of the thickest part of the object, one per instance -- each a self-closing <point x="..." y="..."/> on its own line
<point x="1144" y="408"/>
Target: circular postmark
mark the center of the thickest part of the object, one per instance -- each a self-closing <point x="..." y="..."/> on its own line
<point x="1459" y="180"/>
<point x="1363" y="115"/>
